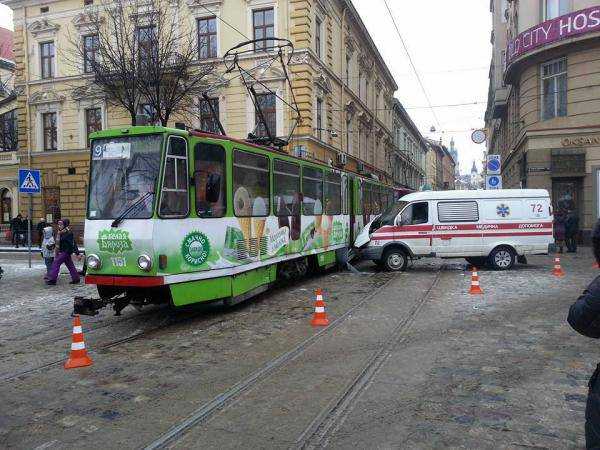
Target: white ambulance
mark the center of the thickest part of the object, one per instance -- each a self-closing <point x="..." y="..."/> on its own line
<point x="495" y="227"/>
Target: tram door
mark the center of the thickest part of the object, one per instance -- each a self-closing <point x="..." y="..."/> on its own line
<point x="350" y="186"/>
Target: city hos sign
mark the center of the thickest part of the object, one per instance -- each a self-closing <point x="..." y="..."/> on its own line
<point x="569" y="25"/>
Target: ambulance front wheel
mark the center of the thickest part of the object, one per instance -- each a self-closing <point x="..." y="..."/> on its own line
<point x="395" y="260"/>
<point x="502" y="258"/>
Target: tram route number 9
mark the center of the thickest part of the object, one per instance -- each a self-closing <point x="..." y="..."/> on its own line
<point x="118" y="261"/>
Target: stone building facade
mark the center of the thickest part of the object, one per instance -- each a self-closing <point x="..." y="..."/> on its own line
<point x="8" y="133"/>
<point x="342" y="85"/>
<point x="543" y="115"/>
<point x="410" y="151"/>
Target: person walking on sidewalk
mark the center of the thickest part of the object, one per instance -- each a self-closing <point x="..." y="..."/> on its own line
<point x="65" y="248"/>
<point x="584" y="317"/>
<point x="571" y="231"/>
<point x="48" y="246"/>
<point x="42" y="224"/>
<point x="559" y="230"/>
<point x="15" y="229"/>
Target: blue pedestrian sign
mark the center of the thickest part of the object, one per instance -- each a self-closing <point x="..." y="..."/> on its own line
<point x="493" y="182"/>
<point x="29" y="181"/>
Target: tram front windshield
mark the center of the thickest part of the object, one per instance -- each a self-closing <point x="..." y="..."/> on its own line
<point x="123" y="177"/>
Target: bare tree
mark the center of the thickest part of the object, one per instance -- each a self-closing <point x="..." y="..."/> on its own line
<point x="138" y="53"/>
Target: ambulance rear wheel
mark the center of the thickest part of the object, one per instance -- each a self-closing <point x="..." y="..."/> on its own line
<point x="395" y="260"/>
<point x="502" y="258"/>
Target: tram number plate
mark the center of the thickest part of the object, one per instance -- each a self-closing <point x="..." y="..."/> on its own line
<point x="118" y="262"/>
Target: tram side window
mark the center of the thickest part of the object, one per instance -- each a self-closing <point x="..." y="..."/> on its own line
<point x="209" y="180"/>
<point x="286" y="188"/>
<point x="312" y="191"/>
<point x="250" y="184"/>
<point x="367" y="198"/>
<point x="333" y="194"/>
<point x="360" y="188"/>
<point x="174" y="196"/>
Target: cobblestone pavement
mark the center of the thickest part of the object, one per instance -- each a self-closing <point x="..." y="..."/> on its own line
<point x="498" y="370"/>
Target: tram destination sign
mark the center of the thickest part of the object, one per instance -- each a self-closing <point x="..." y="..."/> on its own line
<point x="570" y="25"/>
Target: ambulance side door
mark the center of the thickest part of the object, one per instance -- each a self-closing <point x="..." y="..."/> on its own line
<point x="457" y="231"/>
<point x="414" y="227"/>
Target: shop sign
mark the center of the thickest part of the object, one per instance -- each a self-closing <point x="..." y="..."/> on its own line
<point x="538" y="169"/>
<point x="574" y="24"/>
<point x="580" y="141"/>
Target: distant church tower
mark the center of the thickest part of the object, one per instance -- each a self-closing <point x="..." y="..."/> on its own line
<point x="475" y="178"/>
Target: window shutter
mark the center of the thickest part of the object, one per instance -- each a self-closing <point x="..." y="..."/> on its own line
<point x="458" y="212"/>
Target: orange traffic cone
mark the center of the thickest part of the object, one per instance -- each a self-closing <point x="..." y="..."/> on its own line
<point x="557" y="272"/>
<point x="78" y="356"/>
<point x="320" y="317"/>
<point x="475" y="288"/>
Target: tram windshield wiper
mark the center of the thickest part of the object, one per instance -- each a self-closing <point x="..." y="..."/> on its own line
<point x="131" y="208"/>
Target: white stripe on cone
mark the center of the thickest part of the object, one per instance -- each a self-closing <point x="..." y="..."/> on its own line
<point x="319" y="297"/>
<point x="319" y="309"/>
<point x="475" y="283"/>
<point x="77" y="330"/>
<point x="77" y="345"/>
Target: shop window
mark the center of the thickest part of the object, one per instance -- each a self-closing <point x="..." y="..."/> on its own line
<point x="554" y="89"/>
<point x="5" y="206"/>
<point x="174" y="196"/>
<point x="209" y="180"/>
<point x="333" y="194"/>
<point x="250" y="184"/>
<point x="312" y="191"/>
<point x="286" y="188"/>
<point x="51" y="198"/>
<point x="263" y="22"/>
<point x="207" y="37"/>
<point x="208" y="122"/>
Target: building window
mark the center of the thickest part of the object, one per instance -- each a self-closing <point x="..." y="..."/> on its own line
<point x="359" y="84"/>
<point x="318" y="31"/>
<point x="47" y="59"/>
<point x="348" y="61"/>
<point x="147" y="45"/>
<point x="8" y="131"/>
<point x="348" y="136"/>
<point x="367" y="92"/>
<point x="207" y="121"/>
<point x="93" y="121"/>
<point x="90" y="51"/>
<point x="555" y="8"/>
<point x="88" y="2"/>
<point x="207" y="38"/>
<point x="148" y="110"/>
<point x="50" y="132"/>
<point x="554" y="89"/>
<point x="263" y="23"/>
<point x="319" y="118"/>
<point x="267" y="105"/>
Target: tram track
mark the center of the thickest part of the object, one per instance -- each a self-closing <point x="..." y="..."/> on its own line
<point x="205" y="411"/>
<point x="316" y="435"/>
<point x="115" y="343"/>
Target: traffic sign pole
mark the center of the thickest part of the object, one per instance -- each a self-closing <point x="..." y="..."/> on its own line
<point x="29" y="227"/>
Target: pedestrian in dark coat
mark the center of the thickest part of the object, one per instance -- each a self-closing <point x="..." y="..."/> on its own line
<point x="584" y="317"/>
<point x="571" y="231"/>
<point x="40" y="230"/>
<point x="559" y="230"/>
<point x="15" y="229"/>
<point x="65" y="248"/>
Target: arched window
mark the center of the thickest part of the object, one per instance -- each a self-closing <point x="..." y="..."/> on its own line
<point x="5" y="206"/>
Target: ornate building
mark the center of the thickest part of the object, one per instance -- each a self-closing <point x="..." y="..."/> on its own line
<point x="342" y="85"/>
<point x="410" y="151"/>
<point x="542" y="116"/>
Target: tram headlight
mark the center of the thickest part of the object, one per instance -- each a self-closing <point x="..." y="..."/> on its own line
<point x="94" y="262"/>
<point x="145" y="263"/>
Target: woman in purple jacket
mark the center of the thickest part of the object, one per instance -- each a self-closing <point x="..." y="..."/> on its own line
<point x="65" y="248"/>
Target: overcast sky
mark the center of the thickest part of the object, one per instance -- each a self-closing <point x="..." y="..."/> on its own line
<point x="450" y="45"/>
<point x="449" y="42"/>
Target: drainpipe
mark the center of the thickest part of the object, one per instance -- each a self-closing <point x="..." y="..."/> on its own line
<point x="342" y="62"/>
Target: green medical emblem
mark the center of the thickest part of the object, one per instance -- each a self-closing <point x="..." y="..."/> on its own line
<point x="195" y="248"/>
<point x="114" y="241"/>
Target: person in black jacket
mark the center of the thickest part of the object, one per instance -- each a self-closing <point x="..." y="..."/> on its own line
<point x="66" y="246"/>
<point x="584" y="317"/>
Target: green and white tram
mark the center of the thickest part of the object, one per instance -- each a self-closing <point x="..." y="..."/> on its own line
<point x="185" y="217"/>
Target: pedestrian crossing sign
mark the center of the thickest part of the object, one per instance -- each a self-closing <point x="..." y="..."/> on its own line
<point x="29" y="181"/>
